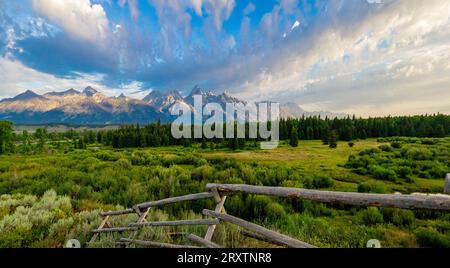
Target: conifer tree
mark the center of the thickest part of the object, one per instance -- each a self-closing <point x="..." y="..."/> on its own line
<point x="294" y="137"/>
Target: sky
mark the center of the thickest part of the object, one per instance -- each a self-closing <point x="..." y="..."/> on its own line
<point x="363" y="57"/>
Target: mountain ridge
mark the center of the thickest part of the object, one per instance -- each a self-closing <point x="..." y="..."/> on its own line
<point x="92" y="107"/>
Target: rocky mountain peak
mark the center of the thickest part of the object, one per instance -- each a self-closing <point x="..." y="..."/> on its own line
<point x="92" y="107"/>
<point x="69" y="92"/>
<point x="196" y="91"/>
<point x="27" y="95"/>
<point x="89" y="91"/>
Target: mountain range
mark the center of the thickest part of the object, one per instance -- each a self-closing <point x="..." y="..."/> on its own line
<point x="91" y="107"/>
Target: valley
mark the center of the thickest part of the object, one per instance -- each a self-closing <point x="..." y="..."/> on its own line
<point x="58" y="191"/>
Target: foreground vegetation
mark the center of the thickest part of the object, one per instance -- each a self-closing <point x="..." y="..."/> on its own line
<point x="98" y="177"/>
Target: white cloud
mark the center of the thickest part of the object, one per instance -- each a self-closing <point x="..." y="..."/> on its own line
<point x="17" y="78"/>
<point x="249" y="9"/>
<point x="133" y="5"/>
<point x="391" y="60"/>
<point x="79" y="18"/>
<point x="167" y="10"/>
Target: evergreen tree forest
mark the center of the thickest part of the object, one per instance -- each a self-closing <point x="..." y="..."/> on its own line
<point x="311" y="128"/>
<point x="306" y="128"/>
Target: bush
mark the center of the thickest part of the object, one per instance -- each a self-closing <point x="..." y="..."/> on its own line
<point x="396" y="144"/>
<point x="428" y="237"/>
<point x="275" y="211"/>
<point x="404" y="172"/>
<point x="438" y="170"/>
<point x="351" y="144"/>
<point x="385" y="148"/>
<point x="429" y="141"/>
<point x="419" y="154"/>
<point x="364" y="188"/>
<point x="322" y="182"/>
<point x="47" y="222"/>
<point x="382" y="173"/>
<point x="107" y="156"/>
<point x="371" y="216"/>
<point x="367" y="187"/>
<point x="399" y="217"/>
<point x="123" y="164"/>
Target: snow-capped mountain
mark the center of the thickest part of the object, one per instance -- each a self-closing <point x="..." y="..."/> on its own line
<point x="92" y="107"/>
<point x="163" y="101"/>
<point x="74" y="107"/>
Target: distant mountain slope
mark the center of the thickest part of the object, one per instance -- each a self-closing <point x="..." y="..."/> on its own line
<point x="73" y="107"/>
<point x="91" y="107"/>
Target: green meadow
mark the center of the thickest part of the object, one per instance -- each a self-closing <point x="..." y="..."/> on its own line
<point x="54" y="194"/>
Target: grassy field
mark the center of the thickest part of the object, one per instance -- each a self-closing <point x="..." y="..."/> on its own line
<point x="84" y="182"/>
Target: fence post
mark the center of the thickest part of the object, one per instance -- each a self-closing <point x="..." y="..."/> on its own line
<point x="220" y="200"/>
<point x="447" y="184"/>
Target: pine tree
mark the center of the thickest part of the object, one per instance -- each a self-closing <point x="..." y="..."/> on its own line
<point x="325" y="138"/>
<point x="333" y="139"/>
<point x="6" y="142"/>
<point x="294" y="137"/>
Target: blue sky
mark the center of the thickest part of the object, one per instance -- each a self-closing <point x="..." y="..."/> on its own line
<point x="368" y="57"/>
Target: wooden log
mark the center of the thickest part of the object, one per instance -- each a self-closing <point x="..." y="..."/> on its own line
<point x="142" y="219"/>
<point x="447" y="184"/>
<point x="177" y="223"/>
<point x="202" y="241"/>
<point x="142" y="206"/>
<point x="359" y="199"/>
<point x="117" y="229"/>
<point x="152" y="244"/>
<point x="118" y="212"/>
<point x="102" y="225"/>
<point x="269" y="234"/>
<point x="219" y="209"/>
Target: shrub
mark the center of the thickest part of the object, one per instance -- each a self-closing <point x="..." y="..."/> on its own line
<point x="354" y="162"/>
<point x="428" y="237"/>
<point x="364" y="188"/>
<point x="275" y="211"/>
<point x="322" y="182"/>
<point x="107" y="156"/>
<point x="429" y="141"/>
<point x="371" y="216"/>
<point x="47" y="222"/>
<point x="437" y="170"/>
<point x="351" y="144"/>
<point x="368" y="187"/>
<point x="399" y="217"/>
<point x="404" y="172"/>
<point x="396" y="144"/>
<point x="382" y="173"/>
<point x="385" y="148"/>
<point x="123" y="164"/>
<point x="419" y="154"/>
<point x="403" y="217"/>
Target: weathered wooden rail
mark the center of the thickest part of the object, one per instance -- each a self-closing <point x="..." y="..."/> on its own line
<point x="359" y="199"/>
<point x="220" y="192"/>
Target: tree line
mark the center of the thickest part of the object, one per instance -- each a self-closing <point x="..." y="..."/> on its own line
<point x="306" y="128"/>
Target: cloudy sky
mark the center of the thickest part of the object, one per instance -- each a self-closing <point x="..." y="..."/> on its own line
<point x="364" y="57"/>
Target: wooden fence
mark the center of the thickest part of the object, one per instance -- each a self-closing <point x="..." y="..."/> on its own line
<point x="220" y="192"/>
